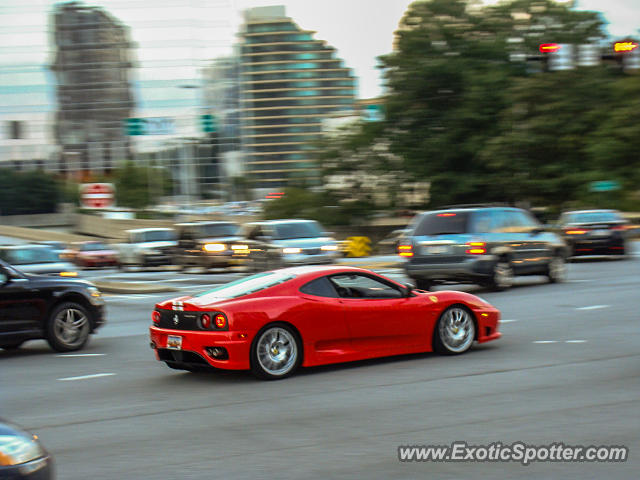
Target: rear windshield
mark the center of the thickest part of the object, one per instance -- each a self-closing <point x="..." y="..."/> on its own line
<point x="28" y="256"/>
<point x="297" y="230"/>
<point x="93" y="247"/>
<point x="247" y="285"/>
<point x="218" y="230"/>
<point x="443" y="223"/>
<point x="593" y="217"/>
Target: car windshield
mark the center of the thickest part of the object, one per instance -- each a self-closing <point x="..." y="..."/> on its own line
<point x="219" y="230"/>
<point x="28" y="256"/>
<point x="443" y="223"/>
<point x="297" y="230"/>
<point x="158" y="236"/>
<point x="247" y="285"/>
<point x="93" y="247"/>
<point x="593" y="217"/>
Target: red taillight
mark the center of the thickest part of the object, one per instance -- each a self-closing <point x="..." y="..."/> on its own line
<point x="476" y="248"/>
<point x="155" y="316"/>
<point x="205" y="321"/>
<point x="221" y="321"/>
<point x="405" y="250"/>
<point x="447" y="214"/>
<point x="576" y="232"/>
<point x="619" y="227"/>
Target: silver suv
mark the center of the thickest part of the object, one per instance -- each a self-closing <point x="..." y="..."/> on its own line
<point x="483" y="245"/>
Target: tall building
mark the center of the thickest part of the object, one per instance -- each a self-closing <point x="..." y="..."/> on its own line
<point x="289" y="82"/>
<point x="92" y="68"/>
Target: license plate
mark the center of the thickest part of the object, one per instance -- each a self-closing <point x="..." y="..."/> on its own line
<point x="436" y="249"/>
<point x="174" y="342"/>
<point x="600" y="233"/>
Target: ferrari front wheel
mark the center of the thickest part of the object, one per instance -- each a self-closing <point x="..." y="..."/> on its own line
<point x="276" y="352"/>
<point x="455" y="331"/>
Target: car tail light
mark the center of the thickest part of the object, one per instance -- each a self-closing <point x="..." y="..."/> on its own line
<point x="205" y="321"/>
<point x="575" y="232"/>
<point x="155" y="316"/>
<point x="476" y="248"/>
<point x="405" y="250"/>
<point x="619" y="227"/>
<point x="221" y="321"/>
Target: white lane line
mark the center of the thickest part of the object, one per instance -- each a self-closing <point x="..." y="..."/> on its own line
<point x="545" y="341"/>
<point x="509" y="320"/>
<point x="575" y="341"/>
<point x="81" y="355"/>
<point x="84" y="377"/>
<point x="593" y="307"/>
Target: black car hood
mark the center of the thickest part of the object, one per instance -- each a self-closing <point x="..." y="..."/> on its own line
<point x="58" y="280"/>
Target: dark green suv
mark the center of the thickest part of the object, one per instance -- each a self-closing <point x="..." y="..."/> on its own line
<point x="483" y="245"/>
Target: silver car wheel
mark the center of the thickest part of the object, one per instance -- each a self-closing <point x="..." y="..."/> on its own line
<point x="456" y="330"/>
<point x="277" y="351"/>
<point x="503" y="275"/>
<point x="71" y="327"/>
<point x="557" y="269"/>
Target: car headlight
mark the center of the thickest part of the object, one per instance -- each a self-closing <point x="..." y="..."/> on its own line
<point x="291" y="250"/>
<point x="483" y="300"/>
<point x="214" y="247"/>
<point x="329" y="248"/>
<point x="95" y="295"/>
<point x="15" y="450"/>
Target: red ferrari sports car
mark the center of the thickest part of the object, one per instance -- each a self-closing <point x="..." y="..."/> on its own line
<point x="274" y="322"/>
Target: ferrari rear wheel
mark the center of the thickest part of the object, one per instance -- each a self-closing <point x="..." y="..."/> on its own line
<point x="276" y="352"/>
<point x="455" y="331"/>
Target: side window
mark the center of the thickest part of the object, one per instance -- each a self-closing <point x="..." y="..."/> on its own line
<point x="519" y="222"/>
<point x="482" y="221"/>
<point x="362" y="286"/>
<point x="499" y="221"/>
<point x="320" y="287"/>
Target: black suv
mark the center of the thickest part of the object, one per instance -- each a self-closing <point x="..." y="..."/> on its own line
<point x="61" y="310"/>
<point x="487" y="245"/>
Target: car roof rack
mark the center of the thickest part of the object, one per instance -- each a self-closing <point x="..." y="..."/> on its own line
<point x="472" y="205"/>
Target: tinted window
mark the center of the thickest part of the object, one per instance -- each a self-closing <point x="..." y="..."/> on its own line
<point x="481" y="221"/>
<point x="593" y="217"/>
<point x="159" y="236"/>
<point x="443" y="223"/>
<point x="247" y="285"/>
<point x="26" y="256"/>
<point x="320" y="287"/>
<point x="362" y="286"/>
<point x="93" y="247"/>
<point x="219" y="230"/>
<point x="297" y="230"/>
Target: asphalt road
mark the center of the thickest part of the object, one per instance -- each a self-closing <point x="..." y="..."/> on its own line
<point x="566" y="370"/>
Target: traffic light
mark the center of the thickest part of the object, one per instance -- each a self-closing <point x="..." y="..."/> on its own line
<point x="627" y="53"/>
<point x="208" y="123"/>
<point x="135" y="126"/>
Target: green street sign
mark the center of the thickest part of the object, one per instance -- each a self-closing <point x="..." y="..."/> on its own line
<point x="208" y="123"/>
<point x="134" y="126"/>
<point x="604" y="186"/>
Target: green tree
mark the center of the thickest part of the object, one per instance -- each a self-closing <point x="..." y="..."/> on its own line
<point x="30" y="192"/>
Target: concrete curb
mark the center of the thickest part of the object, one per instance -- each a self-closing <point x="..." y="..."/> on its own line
<point x="131" y="287"/>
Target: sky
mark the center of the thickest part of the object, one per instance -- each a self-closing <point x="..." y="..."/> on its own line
<point x="360" y="30"/>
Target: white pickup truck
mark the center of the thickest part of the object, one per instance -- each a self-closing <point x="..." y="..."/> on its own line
<point x="147" y="247"/>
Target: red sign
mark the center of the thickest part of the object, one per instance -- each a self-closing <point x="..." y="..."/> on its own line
<point x="97" y="195"/>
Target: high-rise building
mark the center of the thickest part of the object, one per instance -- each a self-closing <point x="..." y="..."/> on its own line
<point x="289" y="82"/>
<point x="92" y="68"/>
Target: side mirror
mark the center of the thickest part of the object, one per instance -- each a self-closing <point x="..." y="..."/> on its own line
<point x="4" y="278"/>
<point x="408" y="288"/>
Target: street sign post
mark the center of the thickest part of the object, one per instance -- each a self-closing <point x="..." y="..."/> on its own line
<point x="97" y="195"/>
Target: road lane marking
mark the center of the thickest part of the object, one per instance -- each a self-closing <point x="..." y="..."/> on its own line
<point x="593" y="307"/>
<point x="545" y="341"/>
<point x="84" y="377"/>
<point x="81" y="355"/>
<point x="509" y="320"/>
<point x="575" y="341"/>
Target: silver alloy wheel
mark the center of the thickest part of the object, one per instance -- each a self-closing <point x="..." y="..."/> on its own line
<point x="71" y="327"/>
<point x="503" y="274"/>
<point x="557" y="269"/>
<point x="277" y="351"/>
<point x="456" y="330"/>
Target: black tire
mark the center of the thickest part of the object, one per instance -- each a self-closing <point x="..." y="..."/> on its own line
<point x="445" y="333"/>
<point x="556" y="269"/>
<point x="12" y="345"/>
<point x="267" y="361"/>
<point x="68" y="327"/>
<point x="422" y="284"/>
<point x="501" y="275"/>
